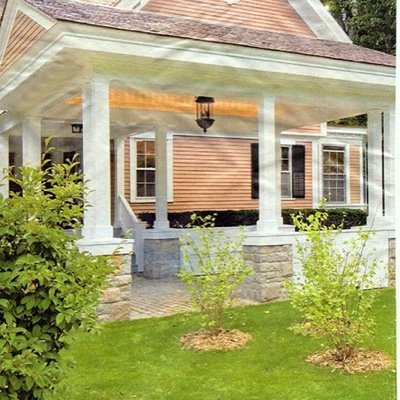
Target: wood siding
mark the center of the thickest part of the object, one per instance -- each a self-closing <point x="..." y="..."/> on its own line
<point x="214" y="174"/>
<point x="271" y="15"/>
<point x="355" y="175"/>
<point x="24" y="35"/>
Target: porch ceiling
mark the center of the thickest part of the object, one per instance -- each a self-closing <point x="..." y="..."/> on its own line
<point x="147" y="90"/>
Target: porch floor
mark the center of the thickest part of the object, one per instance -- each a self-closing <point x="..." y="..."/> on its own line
<point x="161" y="297"/>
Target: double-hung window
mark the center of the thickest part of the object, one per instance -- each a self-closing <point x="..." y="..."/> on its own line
<point x="292" y="171"/>
<point x="145" y="169"/>
<point x="334" y="176"/>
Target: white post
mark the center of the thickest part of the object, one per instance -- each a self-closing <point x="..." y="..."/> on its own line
<point x="389" y="149"/>
<point x="269" y="168"/>
<point x="119" y="151"/>
<point x="96" y="159"/>
<point x="31" y="141"/>
<point x="161" y="221"/>
<point x="4" y="149"/>
<point x="375" y="168"/>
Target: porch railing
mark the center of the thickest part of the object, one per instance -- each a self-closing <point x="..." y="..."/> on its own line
<point x="130" y="226"/>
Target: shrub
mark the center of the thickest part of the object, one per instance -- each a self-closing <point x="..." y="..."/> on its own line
<point x="333" y="295"/>
<point x="347" y="217"/>
<point x="48" y="289"/>
<point x="217" y="271"/>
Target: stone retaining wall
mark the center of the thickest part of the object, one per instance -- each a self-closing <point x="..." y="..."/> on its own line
<point x="272" y="266"/>
<point x="116" y="301"/>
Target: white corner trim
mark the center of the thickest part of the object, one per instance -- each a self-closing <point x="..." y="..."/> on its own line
<point x="320" y="21"/>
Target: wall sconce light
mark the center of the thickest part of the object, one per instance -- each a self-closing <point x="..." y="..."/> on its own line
<point x="77" y="128"/>
<point x="204" y="112"/>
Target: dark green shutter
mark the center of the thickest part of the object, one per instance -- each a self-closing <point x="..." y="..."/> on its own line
<point x="254" y="171"/>
<point x="298" y="171"/>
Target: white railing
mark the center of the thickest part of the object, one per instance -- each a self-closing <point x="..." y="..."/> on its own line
<point x="131" y="227"/>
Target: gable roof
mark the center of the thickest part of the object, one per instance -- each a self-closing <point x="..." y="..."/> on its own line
<point x="274" y="15"/>
<point x="161" y="25"/>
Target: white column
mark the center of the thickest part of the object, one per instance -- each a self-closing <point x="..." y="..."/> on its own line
<point x="389" y="151"/>
<point x="119" y="151"/>
<point x="31" y="141"/>
<point x="96" y="159"/>
<point x="4" y="149"/>
<point x="269" y="168"/>
<point x="161" y="221"/>
<point x="375" y="168"/>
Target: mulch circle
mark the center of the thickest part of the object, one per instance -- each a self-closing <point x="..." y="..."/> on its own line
<point x="207" y="339"/>
<point x="363" y="360"/>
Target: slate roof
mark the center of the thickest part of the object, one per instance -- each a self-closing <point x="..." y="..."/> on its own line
<point x="134" y="21"/>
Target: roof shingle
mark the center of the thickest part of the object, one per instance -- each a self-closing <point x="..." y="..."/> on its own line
<point x="134" y="21"/>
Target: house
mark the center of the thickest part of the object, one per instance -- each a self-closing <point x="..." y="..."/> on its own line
<point x="116" y="82"/>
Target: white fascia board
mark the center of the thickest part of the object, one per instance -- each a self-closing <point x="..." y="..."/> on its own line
<point x="319" y="20"/>
<point x="241" y="57"/>
<point x="12" y="8"/>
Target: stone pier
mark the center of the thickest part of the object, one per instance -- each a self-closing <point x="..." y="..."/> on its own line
<point x="272" y="266"/>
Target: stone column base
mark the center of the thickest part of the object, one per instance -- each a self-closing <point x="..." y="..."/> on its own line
<point x="116" y="301"/>
<point x="272" y="265"/>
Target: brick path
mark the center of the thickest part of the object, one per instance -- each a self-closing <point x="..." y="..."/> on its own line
<point x="160" y="297"/>
<point x="157" y="298"/>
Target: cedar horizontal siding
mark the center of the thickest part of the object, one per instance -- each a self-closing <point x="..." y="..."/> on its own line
<point x="355" y="178"/>
<point x="271" y="15"/>
<point x="24" y="35"/>
<point x="215" y="174"/>
<point x="212" y="174"/>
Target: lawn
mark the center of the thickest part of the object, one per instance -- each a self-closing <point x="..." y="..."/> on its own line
<point x="143" y="359"/>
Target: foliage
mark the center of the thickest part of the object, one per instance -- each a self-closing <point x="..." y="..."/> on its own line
<point x="333" y="295"/>
<point x="348" y="216"/>
<point x="217" y="270"/>
<point x="137" y="360"/>
<point x="369" y="23"/>
<point x="48" y="288"/>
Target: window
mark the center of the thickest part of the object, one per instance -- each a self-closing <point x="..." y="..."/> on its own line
<point x="292" y="171"/>
<point x="334" y="178"/>
<point x="145" y="169"/>
<point x="286" y="166"/>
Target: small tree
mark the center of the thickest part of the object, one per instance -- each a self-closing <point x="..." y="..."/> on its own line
<point x="217" y="271"/>
<point x="48" y="289"/>
<point x="333" y="293"/>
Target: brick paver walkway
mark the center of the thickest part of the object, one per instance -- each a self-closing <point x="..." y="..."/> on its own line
<point x="158" y="297"/>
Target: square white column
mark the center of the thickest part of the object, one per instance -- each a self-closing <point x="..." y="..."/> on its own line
<point x="4" y="149"/>
<point x="375" y="168"/>
<point x="270" y="217"/>
<point x="31" y="141"/>
<point x="96" y="159"/>
<point x="161" y="221"/>
<point x="389" y="175"/>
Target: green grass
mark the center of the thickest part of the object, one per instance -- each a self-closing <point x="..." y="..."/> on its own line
<point x="143" y="360"/>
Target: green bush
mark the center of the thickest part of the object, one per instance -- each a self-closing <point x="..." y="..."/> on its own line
<point x="336" y="216"/>
<point x="218" y="268"/>
<point x="333" y="293"/>
<point x="48" y="289"/>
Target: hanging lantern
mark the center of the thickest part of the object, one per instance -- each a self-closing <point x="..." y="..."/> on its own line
<point x="204" y="112"/>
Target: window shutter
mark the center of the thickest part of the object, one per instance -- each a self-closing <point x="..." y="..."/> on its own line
<point x="254" y="170"/>
<point x="298" y="171"/>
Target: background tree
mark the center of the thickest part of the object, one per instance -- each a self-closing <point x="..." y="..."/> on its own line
<point x="369" y="23"/>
